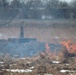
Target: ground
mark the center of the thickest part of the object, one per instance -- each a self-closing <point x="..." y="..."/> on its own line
<point x="44" y="31"/>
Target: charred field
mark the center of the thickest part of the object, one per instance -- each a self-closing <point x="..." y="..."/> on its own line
<point x="54" y="51"/>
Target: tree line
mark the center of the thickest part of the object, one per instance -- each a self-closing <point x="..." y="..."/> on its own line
<point x="37" y="9"/>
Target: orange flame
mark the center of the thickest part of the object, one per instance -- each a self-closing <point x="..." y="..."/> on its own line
<point x="70" y="46"/>
<point x="49" y="53"/>
<point x="47" y="48"/>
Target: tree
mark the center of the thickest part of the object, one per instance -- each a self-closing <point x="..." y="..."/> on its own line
<point x="51" y="8"/>
<point x="32" y="9"/>
<point x="15" y="4"/>
<point x="64" y="10"/>
<point x="4" y="3"/>
<point x="57" y="9"/>
<point x="74" y="9"/>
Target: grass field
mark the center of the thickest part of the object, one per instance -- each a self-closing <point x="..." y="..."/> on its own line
<point x="43" y="30"/>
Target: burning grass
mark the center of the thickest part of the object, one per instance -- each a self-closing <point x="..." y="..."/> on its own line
<point x="47" y="63"/>
<point x="70" y="49"/>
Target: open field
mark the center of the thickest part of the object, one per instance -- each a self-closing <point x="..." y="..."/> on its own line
<point x="43" y="30"/>
<point x="46" y="63"/>
<point x="39" y="23"/>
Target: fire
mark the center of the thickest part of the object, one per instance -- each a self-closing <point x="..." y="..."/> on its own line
<point x="48" y="53"/>
<point x="71" y="47"/>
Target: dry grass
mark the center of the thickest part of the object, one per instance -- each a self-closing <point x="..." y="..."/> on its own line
<point x="42" y="65"/>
